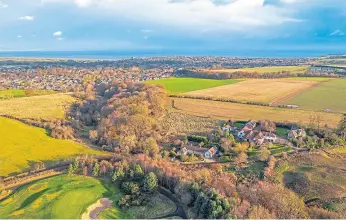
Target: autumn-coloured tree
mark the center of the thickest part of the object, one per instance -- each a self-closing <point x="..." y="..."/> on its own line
<point x="259" y="212"/>
<point x="241" y="159"/>
<point x="268" y="126"/>
<point x="264" y="154"/>
<point x="275" y="198"/>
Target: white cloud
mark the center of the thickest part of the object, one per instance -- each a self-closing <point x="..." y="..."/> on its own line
<point x="27" y="18"/>
<point x="195" y="14"/>
<point x="337" y="33"/>
<point x="57" y="34"/>
<point x="19" y="36"/>
<point x="83" y="3"/>
<point x="3" y="5"/>
<point x="60" y="38"/>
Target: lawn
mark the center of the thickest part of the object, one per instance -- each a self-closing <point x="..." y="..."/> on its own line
<point x="242" y="112"/>
<point x="276" y="149"/>
<point x="327" y="96"/>
<point x="269" y="69"/>
<point x="182" y="85"/>
<point x="17" y="93"/>
<point x="45" y="106"/>
<point x="282" y="131"/>
<point x="257" y="90"/>
<point x="60" y="197"/>
<point x="21" y="145"/>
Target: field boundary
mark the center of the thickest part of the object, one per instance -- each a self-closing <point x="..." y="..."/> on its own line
<point x="239" y="111"/>
<point x="280" y="101"/>
<point x="246" y="103"/>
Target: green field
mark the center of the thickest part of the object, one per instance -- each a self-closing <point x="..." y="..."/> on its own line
<point x="21" y="145"/>
<point x="182" y="85"/>
<point x="17" y="93"/>
<point x="60" y="197"/>
<point x="328" y="95"/>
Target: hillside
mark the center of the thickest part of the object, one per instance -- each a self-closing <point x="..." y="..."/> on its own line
<point x="22" y="145"/>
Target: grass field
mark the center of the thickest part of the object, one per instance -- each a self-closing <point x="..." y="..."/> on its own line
<point x="45" y="106"/>
<point x="182" y="85"/>
<point x="257" y="90"/>
<point x="21" y="145"/>
<point x="60" y="197"/>
<point x="242" y="112"/>
<point x="328" y="95"/>
<point x="269" y="69"/>
<point x="324" y="175"/>
<point x="17" y="93"/>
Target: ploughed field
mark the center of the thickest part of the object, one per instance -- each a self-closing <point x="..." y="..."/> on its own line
<point x="36" y="107"/>
<point x="21" y="145"/>
<point x="268" y="91"/>
<point x="234" y="111"/>
<point x="330" y="95"/>
<point x="182" y="85"/>
<point x="60" y="197"/>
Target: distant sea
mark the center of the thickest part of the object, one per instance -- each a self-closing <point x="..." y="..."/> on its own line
<point x="113" y="54"/>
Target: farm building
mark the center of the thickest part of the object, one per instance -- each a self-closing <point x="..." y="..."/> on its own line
<point x="197" y="150"/>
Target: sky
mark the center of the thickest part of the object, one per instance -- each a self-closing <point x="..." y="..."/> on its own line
<point x="177" y="25"/>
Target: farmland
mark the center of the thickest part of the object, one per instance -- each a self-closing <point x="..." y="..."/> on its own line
<point x="22" y="145"/>
<point x="226" y="111"/>
<point x="60" y="197"/>
<point x="17" y="93"/>
<point x="256" y="90"/>
<point x="182" y="85"/>
<point x="327" y="95"/>
<point x="46" y="106"/>
<point x="269" y="69"/>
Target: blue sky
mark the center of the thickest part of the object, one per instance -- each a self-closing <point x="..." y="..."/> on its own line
<point x="173" y="25"/>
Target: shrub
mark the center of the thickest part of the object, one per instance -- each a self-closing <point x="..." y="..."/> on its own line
<point x="198" y="139"/>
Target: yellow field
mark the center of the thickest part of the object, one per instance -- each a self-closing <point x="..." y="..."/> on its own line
<point x="21" y="145"/>
<point x="257" y="90"/>
<point x="45" y="107"/>
<point x="269" y="69"/>
<point x="226" y="110"/>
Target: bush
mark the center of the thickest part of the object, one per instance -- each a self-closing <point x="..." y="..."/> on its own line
<point x="198" y="139"/>
<point x="130" y="188"/>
